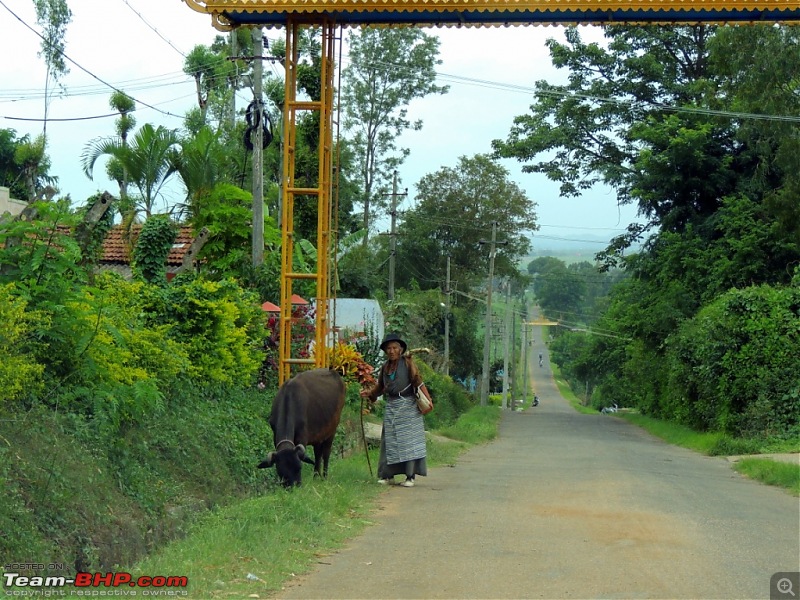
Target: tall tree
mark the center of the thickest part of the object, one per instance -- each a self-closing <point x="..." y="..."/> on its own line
<point x="388" y="69"/>
<point x="666" y="117"/>
<point x="52" y="16"/>
<point x="216" y="79"/>
<point x="456" y="207"/>
<point x="31" y="157"/>
<point x="592" y="129"/>
<point x="124" y="105"/>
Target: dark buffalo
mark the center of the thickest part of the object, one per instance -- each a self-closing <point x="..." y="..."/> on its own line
<point x="305" y="412"/>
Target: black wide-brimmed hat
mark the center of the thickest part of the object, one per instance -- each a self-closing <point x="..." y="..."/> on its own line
<point x="393" y="337"/>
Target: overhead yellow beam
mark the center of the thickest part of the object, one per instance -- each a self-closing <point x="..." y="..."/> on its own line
<point x="227" y="14"/>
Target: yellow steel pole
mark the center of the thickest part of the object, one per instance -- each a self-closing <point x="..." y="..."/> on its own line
<point x="291" y="191"/>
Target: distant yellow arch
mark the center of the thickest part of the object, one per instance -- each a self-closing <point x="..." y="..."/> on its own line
<point x="228" y="14"/>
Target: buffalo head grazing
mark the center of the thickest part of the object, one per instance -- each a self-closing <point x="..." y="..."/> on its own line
<point x="288" y="464"/>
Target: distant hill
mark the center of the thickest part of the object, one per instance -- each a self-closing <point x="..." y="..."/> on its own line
<point x="570" y="251"/>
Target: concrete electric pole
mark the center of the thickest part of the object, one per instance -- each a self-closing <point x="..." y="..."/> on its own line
<point x="393" y="234"/>
<point x="447" y="321"/>
<point x="506" y="332"/>
<point x="258" y="149"/>
<point x="488" y="324"/>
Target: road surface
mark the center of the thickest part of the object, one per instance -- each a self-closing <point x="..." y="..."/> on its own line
<point x="565" y="505"/>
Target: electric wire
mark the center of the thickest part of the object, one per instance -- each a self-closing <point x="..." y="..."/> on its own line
<point x="451" y="78"/>
<point x="156" y="31"/>
<point x="82" y="68"/>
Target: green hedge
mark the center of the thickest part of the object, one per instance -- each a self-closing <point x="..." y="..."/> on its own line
<point x="735" y="367"/>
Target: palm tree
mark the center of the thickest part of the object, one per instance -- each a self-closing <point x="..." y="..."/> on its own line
<point x="149" y="159"/>
<point x="124" y="105"/>
<point x="199" y="166"/>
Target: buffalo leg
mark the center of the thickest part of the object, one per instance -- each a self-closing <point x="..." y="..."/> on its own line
<point x="325" y="454"/>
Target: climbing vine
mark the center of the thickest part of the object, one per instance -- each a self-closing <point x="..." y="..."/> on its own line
<point x="152" y="248"/>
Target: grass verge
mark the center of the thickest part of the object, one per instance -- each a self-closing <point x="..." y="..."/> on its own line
<point x="254" y="546"/>
<point x="770" y="472"/>
<point x="566" y="392"/>
<point x="785" y="475"/>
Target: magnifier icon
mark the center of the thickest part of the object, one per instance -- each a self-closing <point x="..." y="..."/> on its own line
<point x="784" y="586"/>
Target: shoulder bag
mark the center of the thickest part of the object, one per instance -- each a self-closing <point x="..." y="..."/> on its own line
<point x="424" y="404"/>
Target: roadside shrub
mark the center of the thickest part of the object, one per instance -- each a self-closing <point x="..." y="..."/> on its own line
<point x="734" y="367"/>
<point x="219" y="325"/>
<point x="20" y="374"/>
<point x="450" y="400"/>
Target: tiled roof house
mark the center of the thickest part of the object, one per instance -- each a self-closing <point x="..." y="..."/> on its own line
<point x="120" y="241"/>
<point x="119" y="244"/>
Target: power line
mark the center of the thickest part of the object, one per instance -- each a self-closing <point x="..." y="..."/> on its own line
<point x="569" y="94"/>
<point x="85" y="70"/>
<point x="157" y="32"/>
<point x="50" y="119"/>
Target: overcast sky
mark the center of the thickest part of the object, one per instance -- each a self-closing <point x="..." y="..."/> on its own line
<point x="139" y="46"/>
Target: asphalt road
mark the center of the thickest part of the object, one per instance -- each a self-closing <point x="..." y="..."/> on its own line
<point x="564" y="505"/>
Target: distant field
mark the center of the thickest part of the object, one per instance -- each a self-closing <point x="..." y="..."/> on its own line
<point x="568" y="256"/>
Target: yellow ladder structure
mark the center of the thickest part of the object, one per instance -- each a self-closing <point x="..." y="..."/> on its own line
<point x="292" y="194"/>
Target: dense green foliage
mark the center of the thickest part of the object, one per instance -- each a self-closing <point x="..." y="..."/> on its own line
<point x="24" y="165"/>
<point x="703" y="329"/>
<point x="388" y="69"/>
<point x="456" y="207"/>
<point x="735" y="365"/>
<point x="73" y="495"/>
<point x="152" y="248"/>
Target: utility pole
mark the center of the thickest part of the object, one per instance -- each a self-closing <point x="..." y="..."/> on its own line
<point x="258" y="149"/>
<point x="488" y="324"/>
<point x="513" y="368"/>
<point x="524" y="362"/>
<point x="393" y="234"/>
<point x="505" y="344"/>
<point x="233" y="39"/>
<point x="447" y="321"/>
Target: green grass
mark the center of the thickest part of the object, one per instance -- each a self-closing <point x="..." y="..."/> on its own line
<point x="785" y="475"/>
<point x="566" y="392"/>
<point x="254" y="546"/>
<point x="477" y="426"/>
<point x="271" y="537"/>
<point x="674" y="433"/>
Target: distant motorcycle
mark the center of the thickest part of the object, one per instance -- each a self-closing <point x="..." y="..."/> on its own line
<point x="535" y="400"/>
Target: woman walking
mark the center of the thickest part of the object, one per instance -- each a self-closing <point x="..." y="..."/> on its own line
<point x="403" y="447"/>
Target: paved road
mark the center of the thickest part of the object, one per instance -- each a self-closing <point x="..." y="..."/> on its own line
<point x="565" y="505"/>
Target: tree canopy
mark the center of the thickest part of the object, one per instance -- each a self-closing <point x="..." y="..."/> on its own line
<point x="388" y="69"/>
<point x="453" y="216"/>
<point x="689" y="123"/>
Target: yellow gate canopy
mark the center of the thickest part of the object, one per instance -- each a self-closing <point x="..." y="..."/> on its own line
<point x="228" y="14"/>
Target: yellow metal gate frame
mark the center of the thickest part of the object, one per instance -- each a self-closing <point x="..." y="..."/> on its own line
<point x="293" y="194"/>
<point x="294" y="14"/>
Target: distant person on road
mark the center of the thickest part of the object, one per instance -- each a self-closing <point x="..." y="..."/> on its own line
<point x="541" y="359"/>
<point x="403" y="448"/>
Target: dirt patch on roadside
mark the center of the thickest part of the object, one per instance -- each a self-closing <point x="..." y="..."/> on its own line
<point x="793" y="458"/>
